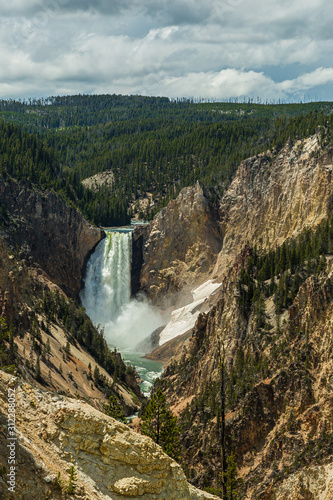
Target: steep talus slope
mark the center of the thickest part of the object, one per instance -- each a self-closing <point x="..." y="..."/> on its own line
<point x="111" y="461"/>
<point x="277" y="365"/>
<point x="48" y="233"/>
<point x="179" y="247"/>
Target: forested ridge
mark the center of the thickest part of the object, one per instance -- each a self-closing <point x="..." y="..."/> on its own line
<point x="151" y="145"/>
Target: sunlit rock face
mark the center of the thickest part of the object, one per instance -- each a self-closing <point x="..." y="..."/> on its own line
<point x="275" y="197"/>
<point x="111" y="461"/>
<point x="179" y="247"/>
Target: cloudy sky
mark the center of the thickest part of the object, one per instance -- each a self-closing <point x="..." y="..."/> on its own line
<point x="272" y="49"/>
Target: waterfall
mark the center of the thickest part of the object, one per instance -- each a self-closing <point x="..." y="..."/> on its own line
<point x="107" y="294"/>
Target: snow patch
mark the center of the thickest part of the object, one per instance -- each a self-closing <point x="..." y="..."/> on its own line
<point x="183" y="319"/>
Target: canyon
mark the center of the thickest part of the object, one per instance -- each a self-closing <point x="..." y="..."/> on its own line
<point x="278" y="377"/>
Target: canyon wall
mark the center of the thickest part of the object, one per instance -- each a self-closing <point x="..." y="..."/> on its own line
<point x="273" y="197"/>
<point x="278" y="378"/>
<point x="178" y="248"/>
<point x="48" y="233"/>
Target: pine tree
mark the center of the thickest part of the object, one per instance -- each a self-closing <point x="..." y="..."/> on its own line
<point x="96" y="375"/>
<point x="260" y="311"/>
<point x="114" y="410"/>
<point x="48" y="350"/>
<point x="160" y="424"/>
<point x="71" y="480"/>
<point x="233" y="482"/>
<point x="67" y="350"/>
<point x="38" y="375"/>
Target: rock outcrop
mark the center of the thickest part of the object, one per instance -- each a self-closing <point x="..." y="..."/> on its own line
<point x="95" y="182"/>
<point x="311" y="483"/>
<point x="275" y="197"/>
<point x="111" y="461"/>
<point x="179" y="247"/>
<point x="48" y="233"/>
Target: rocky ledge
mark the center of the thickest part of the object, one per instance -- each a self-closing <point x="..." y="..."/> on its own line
<point x="111" y="461"/>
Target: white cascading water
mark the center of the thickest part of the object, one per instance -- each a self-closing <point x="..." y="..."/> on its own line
<point x="107" y="294"/>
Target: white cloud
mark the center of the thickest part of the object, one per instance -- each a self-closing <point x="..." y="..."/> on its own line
<point x="320" y="76"/>
<point x="213" y="48"/>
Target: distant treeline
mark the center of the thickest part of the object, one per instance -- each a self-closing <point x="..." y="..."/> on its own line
<point x="150" y="144"/>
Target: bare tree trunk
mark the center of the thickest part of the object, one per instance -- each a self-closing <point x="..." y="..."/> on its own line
<point x="222" y="427"/>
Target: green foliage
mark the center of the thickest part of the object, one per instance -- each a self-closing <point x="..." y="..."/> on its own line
<point x="150" y="145"/>
<point x="281" y="272"/>
<point x="233" y="482"/>
<point x="8" y="348"/>
<point x="97" y="376"/>
<point x="71" y="485"/>
<point x="38" y="375"/>
<point x="160" y="424"/>
<point x="67" y="350"/>
<point x="114" y="409"/>
<point x="29" y="158"/>
<point x="72" y="478"/>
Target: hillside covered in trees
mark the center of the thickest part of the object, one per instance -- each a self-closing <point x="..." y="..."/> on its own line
<point x="153" y="147"/>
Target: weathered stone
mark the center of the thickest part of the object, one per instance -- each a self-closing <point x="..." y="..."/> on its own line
<point x="111" y="460"/>
<point x="178" y="248"/>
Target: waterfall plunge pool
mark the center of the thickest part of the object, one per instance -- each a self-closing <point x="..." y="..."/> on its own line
<point x="106" y="297"/>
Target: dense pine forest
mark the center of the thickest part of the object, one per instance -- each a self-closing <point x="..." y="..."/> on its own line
<point x="151" y="147"/>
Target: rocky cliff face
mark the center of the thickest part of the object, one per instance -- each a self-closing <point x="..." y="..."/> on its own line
<point x="16" y="288"/>
<point x="48" y="233"/>
<point x="179" y="247"/>
<point x="111" y="461"/>
<point x="278" y="379"/>
<point x="274" y="197"/>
